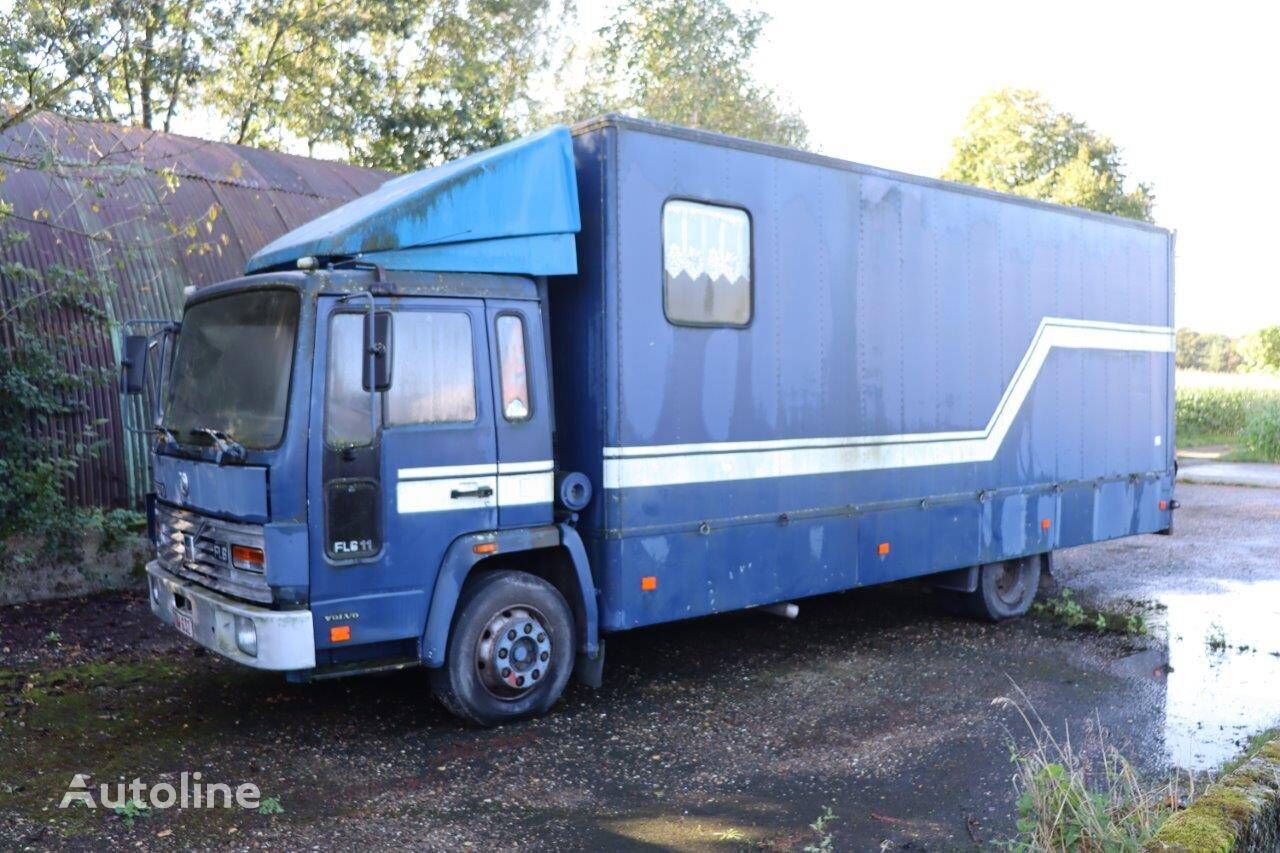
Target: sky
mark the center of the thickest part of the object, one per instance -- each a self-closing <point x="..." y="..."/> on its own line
<point x="1191" y="93"/>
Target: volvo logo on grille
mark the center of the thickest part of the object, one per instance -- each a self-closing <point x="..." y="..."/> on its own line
<point x="184" y="487"/>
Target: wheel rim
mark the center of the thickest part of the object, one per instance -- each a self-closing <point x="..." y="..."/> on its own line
<point x="513" y="653"/>
<point x="1010" y="582"/>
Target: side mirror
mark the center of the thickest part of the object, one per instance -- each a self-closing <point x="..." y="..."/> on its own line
<point x="376" y="375"/>
<point x="133" y="366"/>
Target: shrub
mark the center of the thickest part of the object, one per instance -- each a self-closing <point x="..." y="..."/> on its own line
<point x="1261" y="433"/>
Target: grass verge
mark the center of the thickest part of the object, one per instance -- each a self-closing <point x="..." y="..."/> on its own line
<point x="1083" y="796"/>
<point x="1086" y="796"/>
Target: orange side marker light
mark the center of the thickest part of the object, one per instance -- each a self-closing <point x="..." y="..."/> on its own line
<point x="883" y="549"/>
<point x="485" y="548"/>
<point x="1164" y="505"/>
<point x="1044" y="524"/>
<point x="339" y="633"/>
<point x="648" y="583"/>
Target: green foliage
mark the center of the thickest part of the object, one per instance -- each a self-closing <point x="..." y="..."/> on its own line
<point x="1014" y="141"/>
<point x="392" y="83"/>
<point x="1084" y="796"/>
<point x="44" y="385"/>
<point x="1209" y="415"/>
<point x="1065" y="608"/>
<point x="1207" y="351"/>
<point x="686" y="62"/>
<point x="270" y="805"/>
<point x="1262" y="350"/>
<point x="41" y="386"/>
<point x="108" y="60"/>
<point x="1261" y="433"/>
<point x="131" y="811"/>
<point x="397" y="84"/>
<point x="826" y="841"/>
<point x="1216" y="639"/>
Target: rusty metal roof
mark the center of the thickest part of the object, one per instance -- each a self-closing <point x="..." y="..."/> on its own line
<point x="151" y="213"/>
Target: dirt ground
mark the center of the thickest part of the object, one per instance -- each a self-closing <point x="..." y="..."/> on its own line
<point x="724" y="733"/>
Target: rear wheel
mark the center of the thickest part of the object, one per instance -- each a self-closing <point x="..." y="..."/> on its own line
<point x="1005" y="589"/>
<point x="510" y="650"/>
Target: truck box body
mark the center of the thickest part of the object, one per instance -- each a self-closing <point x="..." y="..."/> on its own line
<point x="634" y="373"/>
<point x="932" y="377"/>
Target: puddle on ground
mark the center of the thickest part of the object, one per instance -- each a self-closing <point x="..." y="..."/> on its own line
<point x="1223" y="673"/>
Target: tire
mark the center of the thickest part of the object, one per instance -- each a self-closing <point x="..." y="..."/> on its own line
<point x="1005" y="590"/>
<point x="511" y="649"/>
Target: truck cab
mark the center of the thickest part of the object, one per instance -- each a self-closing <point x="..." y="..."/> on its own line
<point x="353" y="460"/>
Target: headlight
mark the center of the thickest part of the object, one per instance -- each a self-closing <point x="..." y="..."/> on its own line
<point x="247" y="636"/>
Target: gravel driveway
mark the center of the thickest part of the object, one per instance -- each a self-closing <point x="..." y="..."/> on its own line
<point x="722" y="733"/>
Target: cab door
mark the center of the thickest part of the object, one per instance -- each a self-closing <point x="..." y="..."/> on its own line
<point x="399" y="482"/>
<point x="522" y="413"/>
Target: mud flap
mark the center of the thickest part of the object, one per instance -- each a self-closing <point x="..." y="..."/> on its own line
<point x="589" y="670"/>
<point x="957" y="580"/>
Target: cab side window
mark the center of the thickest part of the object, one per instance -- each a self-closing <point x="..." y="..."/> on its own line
<point x="434" y="369"/>
<point x="514" y="370"/>
<point x="347" y="421"/>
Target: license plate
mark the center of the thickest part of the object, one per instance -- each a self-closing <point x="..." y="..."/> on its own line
<point x="182" y="622"/>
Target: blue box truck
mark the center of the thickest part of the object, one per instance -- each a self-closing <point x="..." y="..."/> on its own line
<point x="630" y="373"/>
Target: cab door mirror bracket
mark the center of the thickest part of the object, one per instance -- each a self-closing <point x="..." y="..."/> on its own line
<point x="376" y="375"/>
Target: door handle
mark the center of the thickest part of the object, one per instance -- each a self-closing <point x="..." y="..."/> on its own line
<point x="478" y="492"/>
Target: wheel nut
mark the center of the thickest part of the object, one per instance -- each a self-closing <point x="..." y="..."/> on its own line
<point x="542" y="638"/>
<point x="506" y="672"/>
<point x="519" y="681"/>
<point x="528" y="628"/>
<point x="502" y="653"/>
<point x="544" y="656"/>
<point x="535" y="674"/>
<point x="511" y="635"/>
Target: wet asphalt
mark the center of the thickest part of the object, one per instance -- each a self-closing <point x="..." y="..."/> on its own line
<point x="723" y="733"/>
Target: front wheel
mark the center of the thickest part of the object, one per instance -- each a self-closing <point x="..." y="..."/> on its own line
<point x="510" y="650"/>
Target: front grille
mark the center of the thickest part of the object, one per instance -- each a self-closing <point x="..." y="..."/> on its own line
<point x="198" y="548"/>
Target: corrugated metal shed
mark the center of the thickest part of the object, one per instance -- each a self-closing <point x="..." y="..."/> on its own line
<point x="151" y="213"/>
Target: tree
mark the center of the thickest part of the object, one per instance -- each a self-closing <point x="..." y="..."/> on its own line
<point x="1014" y="141"/>
<point x="392" y="83"/>
<point x="1207" y="351"/>
<point x="1262" y="350"/>
<point x="467" y="87"/>
<point x="686" y="62"/>
<point x="112" y="60"/>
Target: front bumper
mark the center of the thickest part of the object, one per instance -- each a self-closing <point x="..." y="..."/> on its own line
<point x="286" y="640"/>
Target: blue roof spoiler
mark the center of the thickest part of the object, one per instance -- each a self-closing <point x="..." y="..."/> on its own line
<point x="511" y="209"/>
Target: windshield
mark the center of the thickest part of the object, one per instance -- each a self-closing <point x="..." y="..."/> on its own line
<point x="231" y="368"/>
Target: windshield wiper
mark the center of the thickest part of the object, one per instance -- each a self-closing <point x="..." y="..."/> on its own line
<point x="228" y="448"/>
